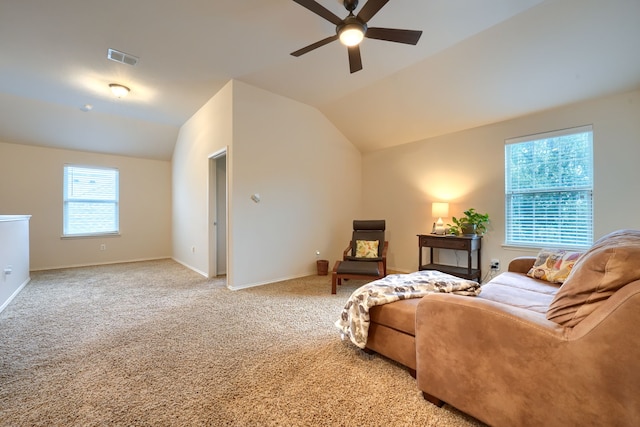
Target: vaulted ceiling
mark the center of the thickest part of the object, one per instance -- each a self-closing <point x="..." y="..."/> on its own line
<point x="477" y="62"/>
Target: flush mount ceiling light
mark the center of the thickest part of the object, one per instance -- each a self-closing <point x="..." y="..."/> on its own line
<point x="119" y="91"/>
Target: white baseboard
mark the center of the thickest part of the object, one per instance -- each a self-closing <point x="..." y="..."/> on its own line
<point x="91" y="264"/>
<point x="13" y="295"/>
<point x="202" y="273"/>
<point x="276" y="280"/>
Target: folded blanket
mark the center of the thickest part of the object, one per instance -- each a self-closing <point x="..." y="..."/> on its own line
<point x="354" y="320"/>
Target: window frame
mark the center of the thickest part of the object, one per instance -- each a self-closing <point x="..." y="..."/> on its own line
<point x="585" y="190"/>
<point x="66" y="200"/>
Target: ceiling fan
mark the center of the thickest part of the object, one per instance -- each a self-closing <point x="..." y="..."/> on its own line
<point x="352" y="29"/>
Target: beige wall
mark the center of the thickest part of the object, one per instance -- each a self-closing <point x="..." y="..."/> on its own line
<point x="312" y="181"/>
<point x="309" y="178"/>
<point x="32" y="185"/>
<point x="467" y="169"/>
<point x="306" y="172"/>
<point x="205" y="133"/>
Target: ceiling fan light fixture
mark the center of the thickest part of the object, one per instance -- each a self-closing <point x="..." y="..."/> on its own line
<point x="351" y="31"/>
<point x="118" y="90"/>
<point x="351" y="35"/>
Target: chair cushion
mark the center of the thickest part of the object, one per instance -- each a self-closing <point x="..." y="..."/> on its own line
<point x="369" y="224"/>
<point x="368" y="230"/>
<point x="611" y="263"/>
<point x="360" y="259"/>
<point x="367" y="236"/>
<point x="358" y="267"/>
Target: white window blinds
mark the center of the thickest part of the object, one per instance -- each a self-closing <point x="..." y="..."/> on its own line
<point x="90" y="204"/>
<point x="548" y="189"/>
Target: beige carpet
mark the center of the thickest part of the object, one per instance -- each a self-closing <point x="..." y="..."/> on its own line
<point x="155" y="344"/>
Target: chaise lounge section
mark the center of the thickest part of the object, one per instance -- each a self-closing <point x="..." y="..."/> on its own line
<point x="530" y="352"/>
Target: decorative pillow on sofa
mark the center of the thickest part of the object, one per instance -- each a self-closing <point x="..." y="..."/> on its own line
<point x="611" y="263"/>
<point x="366" y="249"/>
<point x="553" y="265"/>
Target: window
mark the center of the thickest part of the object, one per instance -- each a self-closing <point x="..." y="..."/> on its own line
<point x="90" y="203"/>
<point x="548" y="189"/>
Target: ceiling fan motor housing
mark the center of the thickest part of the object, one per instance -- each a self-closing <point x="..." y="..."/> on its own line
<point x="350" y="5"/>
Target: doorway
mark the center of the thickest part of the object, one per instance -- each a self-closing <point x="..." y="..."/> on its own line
<point x="218" y="214"/>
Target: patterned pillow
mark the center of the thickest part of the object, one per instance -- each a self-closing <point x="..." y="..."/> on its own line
<point x="366" y="249"/>
<point x="553" y="265"/>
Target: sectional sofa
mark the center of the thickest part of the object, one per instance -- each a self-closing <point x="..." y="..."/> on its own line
<point x="529" y="350"/>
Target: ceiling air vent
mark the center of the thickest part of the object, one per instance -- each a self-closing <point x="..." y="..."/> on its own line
<point x="121" y="57"/>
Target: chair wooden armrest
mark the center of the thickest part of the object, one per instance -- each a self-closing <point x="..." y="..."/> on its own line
<point x="385" y="249"/>
<point x="384" y="257"/>
<point x="345" y="253"/>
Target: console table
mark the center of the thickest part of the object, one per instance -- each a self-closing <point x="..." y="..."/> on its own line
<point x="470" y="244"/>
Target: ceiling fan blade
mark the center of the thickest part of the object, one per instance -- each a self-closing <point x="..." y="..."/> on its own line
<point x="355" y="61"/>
<point x="314" y="46"/>
<point x="320" y="10"/>
<point x="371" y="8"/>
<point x="394" y="35"/>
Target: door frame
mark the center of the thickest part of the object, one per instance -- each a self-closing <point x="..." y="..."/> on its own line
<point x="212" y="224"/>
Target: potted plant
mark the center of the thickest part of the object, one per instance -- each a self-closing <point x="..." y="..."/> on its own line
<point x="471" y="223"/>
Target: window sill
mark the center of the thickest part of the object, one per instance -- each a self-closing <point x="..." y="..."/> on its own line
<point x="88" y="236"/>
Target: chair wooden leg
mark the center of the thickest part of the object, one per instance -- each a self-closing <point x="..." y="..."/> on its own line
<point x="334" y="278"/>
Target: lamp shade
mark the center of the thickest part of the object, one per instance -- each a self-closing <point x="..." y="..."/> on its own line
<point x="439" y="210"/>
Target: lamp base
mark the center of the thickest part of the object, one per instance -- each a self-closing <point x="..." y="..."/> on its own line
<point x="438" y="227"/>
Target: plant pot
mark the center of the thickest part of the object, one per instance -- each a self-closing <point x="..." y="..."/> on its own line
<point x="468" y="230"/>
<point x="323" y="267"/>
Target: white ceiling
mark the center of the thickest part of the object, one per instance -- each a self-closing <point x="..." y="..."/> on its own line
<point x="477" y="62"/>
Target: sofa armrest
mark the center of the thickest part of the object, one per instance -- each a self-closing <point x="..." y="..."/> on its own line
<point x="521" y="264"/>
<point x="509" y="366"/>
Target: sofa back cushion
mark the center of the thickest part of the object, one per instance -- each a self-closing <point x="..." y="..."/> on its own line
<point x="612" y="262"/>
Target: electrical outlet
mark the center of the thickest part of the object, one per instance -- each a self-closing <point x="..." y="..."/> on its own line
<point x="495" y="264"/>
<point x="103" y="247"/>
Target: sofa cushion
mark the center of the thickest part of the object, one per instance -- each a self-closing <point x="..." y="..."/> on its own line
<point x="553" y="265"/>
<point x="398" y="315"/>
<point x="611" y="263"/>
<point x="518" y="290"/>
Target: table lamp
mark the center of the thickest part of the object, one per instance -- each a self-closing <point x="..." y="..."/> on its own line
<point x="439" y="210"/>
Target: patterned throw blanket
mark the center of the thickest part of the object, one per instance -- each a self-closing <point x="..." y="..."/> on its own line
<point x="354" y="320"/>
